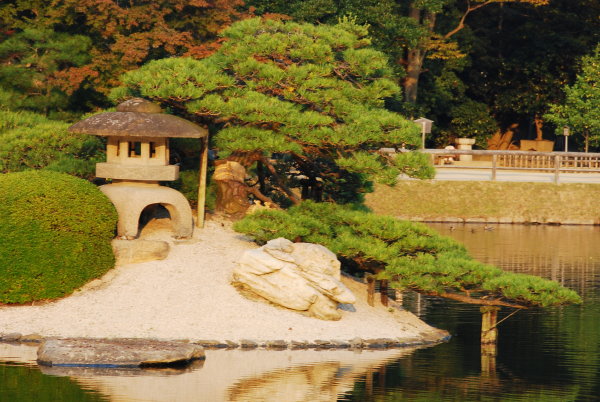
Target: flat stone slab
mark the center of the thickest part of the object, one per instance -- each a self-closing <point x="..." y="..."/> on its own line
<point x="116" y="353"/>
<point x="138" y="250"/>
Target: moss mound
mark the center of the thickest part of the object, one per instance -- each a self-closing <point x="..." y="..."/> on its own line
<point x="55" y="232"/>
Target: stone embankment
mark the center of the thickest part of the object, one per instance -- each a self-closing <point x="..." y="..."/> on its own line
<point x="501" y="220"/>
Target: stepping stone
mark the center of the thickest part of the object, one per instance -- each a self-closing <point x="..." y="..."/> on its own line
<point x="111" y="353"/>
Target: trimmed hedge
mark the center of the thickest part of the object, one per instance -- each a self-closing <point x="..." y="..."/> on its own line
<point x="55" y="235"/>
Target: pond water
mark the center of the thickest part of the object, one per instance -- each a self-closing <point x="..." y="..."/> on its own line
<point x="545" y="355"/>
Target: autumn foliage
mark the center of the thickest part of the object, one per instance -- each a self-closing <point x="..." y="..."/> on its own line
<point x="120" y="36"/>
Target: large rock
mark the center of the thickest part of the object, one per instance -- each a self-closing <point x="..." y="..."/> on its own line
<point x="299" y="276"/>
<point x="116" y="353"/>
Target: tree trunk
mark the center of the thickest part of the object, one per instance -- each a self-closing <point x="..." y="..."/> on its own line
<point x="586" y="135"/>
<point x="232" y="191"/>
<point x="413" y="71"/>
<point x="416" y="55"/>
<point x="539" y="124"/>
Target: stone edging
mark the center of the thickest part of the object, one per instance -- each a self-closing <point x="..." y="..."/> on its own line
<point x="502" y="220"/>
<point x="248" y="344"/>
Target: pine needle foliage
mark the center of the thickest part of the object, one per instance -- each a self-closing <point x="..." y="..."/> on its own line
<point x="410" y="255"/>
<point x="313" y="93"/>
<point x="56" y="233"/>
<point x="32" y="141"/>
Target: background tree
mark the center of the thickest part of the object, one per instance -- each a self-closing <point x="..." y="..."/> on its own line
<point x="521" y="57"/>
<point x="512" y="56"/>
<point x="581" y="107"/>
<point x="40" y="69"/>
<point x="313" y="95"/>
<point x="123" y="34"/>
<point x="409" y="31"/>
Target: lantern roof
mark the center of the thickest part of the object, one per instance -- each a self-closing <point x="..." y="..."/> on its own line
<point x="138" y="118"/>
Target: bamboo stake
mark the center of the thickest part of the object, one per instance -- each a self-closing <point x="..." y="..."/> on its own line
<point x="202" y="182"/>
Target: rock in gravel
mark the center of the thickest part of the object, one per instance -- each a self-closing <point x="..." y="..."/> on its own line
<point x="139" y="250"/>
<point x="32" y="338"/>
<point x="116" y="353"/>
<point x="12" y="337"/>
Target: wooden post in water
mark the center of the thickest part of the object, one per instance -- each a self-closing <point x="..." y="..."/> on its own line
<point x="488" y="359"/>
<point x="489" y="317"/>
<point x="489" y="337"/>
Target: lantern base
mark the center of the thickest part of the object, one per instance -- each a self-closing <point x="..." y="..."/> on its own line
<point x="130" y="199"/>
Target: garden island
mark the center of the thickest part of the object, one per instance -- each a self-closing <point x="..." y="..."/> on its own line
<point x="278" y="130"/>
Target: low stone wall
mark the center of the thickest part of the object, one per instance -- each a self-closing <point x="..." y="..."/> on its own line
<point x="502" y="220"/>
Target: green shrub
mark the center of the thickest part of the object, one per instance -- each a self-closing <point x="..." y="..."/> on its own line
<point x="473" y="120"/>
<point x="410" y="255"/>
<point x="31" y="141"/>
<point x="55" y="235"/>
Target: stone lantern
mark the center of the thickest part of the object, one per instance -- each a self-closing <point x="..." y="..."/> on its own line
<point x="137" y="159"/>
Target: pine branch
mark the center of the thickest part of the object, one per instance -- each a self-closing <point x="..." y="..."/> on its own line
<point x="473" y="300"/>
<point x="292" y="197"/>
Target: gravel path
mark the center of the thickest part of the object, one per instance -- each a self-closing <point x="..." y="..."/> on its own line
<point x="189" y="296"/>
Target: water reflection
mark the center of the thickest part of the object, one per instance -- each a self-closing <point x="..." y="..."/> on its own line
<point x="232" y="375"/>
<point x="256" y="375"/>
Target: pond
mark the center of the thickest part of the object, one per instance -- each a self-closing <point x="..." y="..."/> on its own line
<point x="545" y="355"/>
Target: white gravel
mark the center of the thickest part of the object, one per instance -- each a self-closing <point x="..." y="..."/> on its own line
<point x="189" y="296"/>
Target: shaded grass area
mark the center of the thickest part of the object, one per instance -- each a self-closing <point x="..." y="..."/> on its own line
<point x="519" y="202"/>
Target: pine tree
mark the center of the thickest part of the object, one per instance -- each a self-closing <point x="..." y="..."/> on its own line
<point x="311" y="95"/>
<point x="410" y="255"/>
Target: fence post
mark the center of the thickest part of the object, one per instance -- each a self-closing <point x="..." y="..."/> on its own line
<point x="494" y="160"/>
<point x="556" y="168"/>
